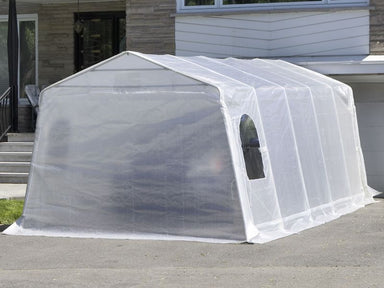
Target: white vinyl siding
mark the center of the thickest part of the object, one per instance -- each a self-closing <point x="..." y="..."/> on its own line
<point x="274" y="35"/>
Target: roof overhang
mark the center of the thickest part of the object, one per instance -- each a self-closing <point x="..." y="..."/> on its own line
<point x="359" y="68"/>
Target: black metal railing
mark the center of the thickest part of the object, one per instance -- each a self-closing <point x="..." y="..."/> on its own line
<point x="5" y="113"/>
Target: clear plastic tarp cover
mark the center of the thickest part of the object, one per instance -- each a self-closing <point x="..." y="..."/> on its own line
<point x="193" y="148"/>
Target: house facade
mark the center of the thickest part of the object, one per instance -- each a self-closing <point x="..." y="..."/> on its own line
<point x="50" y="48"/>
<point x="340" y="38"/>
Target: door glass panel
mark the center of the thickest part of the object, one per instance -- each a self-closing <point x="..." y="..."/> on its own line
<point x="3" y="57"/>
<point x="102" y="37"/>
<point x="198" y="2"/>
<point x="27" y="39"/>
<point x="97" y="41"/>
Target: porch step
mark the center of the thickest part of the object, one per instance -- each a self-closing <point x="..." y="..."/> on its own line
<point x="14" y="167"/>
<point x="21" y="137"/>
<point x="14" y="178"/>
<point x="16" y="146"/>
<point x="15" y="158"/>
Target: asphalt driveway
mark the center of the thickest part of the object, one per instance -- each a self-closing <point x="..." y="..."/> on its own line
<point x="347" y="253"/>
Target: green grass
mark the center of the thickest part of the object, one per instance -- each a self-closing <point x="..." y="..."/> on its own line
<point x="10" y="210"/>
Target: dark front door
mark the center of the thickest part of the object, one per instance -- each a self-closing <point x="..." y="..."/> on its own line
<point x="103" y="36"/>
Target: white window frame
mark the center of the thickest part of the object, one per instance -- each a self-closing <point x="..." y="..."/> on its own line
<point x="219" y="6"/>
<point x="335" y="2"/>
<point x="20" y="18"/>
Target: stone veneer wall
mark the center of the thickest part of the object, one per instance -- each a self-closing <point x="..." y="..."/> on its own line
<point x="377" y="27"/>
<point x="151" y="26"/>
<point x="56" y="37"/>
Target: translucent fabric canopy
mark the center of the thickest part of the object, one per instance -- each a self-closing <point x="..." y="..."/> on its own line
<point x="192" y="148"/>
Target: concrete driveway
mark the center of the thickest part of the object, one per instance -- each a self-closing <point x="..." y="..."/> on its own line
<point x="346" y="253"/>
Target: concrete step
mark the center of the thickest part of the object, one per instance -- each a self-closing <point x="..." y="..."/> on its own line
<point x="15" y="178"/>
<point x="15" y="156"/>
<point x="16" y="146"/>
<point x="15" y="167"/>
<point x="21" y="137"/>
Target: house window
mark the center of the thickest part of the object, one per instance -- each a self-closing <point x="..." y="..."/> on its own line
<point x="234" y="2"/>
<point x="28" y="73"/>
<point x="102" y="37"/>
<point x="199" y="2"/>
<point x="251" y="148"/>
<point x="201" y="5"/>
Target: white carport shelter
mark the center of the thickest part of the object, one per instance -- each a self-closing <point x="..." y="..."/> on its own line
<point x="164" y="147"/>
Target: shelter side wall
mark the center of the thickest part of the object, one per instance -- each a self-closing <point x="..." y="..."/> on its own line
<point x="308" y="123"/>
<point x="278" y="129"/>
<point x="310" y="153"/>
<point x="271" y="34"/>
<point x="307" y="153"/>
<point x="346" y="123"/>
<point x="286" y="121"/>
<point x="261" y="193"/>
<point x="145" y="162"/>
<point x="341" y="96"/>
